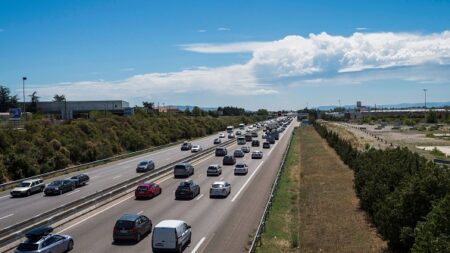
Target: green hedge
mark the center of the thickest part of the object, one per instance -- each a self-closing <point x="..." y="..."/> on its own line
<point x="403" y="193"/>
<point x="45" y="146"/>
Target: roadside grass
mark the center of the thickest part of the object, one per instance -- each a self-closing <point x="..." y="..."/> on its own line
<point x="281" y="231"/>
<point x="315" y="208"/>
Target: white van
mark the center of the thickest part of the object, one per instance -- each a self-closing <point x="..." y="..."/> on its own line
<point x="171" y="235"/>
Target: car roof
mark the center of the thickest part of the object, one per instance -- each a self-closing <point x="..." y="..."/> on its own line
<point x="31" y="180"/>
<point x="214" y="165"/>
<point x="169" y="224"/>
<point x="220" y="182"/>
<point x="129" y="217"/>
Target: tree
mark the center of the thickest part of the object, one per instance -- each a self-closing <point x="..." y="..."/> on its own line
<point x="34" y="100"/>
<point x="196" y="111"/>
<point x="6" y="100"/>
<point x="431" y="117"/>
<point x="149" y="105"/>
<point x="59" y="98"/>
<point x="262" y="112"/>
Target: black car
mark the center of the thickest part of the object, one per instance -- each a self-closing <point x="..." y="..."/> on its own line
<point x="132" y="227"/>
<point x="59" y="187"/>
<point x="221" y="151"/>
<point x="271" y="140"/>
<point x="217" y="141"/>
<point x="80" y="180"/>
<point x="187" y="190"/>
<point x="238" y="153"/>
<point x="266" y="144"/>
<point x="254" y="134"/>
<point x="248" y="138"/>
<point x="255" y="143"/>
<point x="186" y="146"/>
<point x="229" y="160"/>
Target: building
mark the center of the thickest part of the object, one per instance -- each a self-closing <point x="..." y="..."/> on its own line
<point x="75" y="109"/>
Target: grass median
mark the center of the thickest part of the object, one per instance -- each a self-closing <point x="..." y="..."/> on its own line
<point x="315" y="208"/>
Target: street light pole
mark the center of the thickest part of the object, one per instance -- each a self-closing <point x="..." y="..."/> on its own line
<point x="425" y="91"/>
<point x="23" y="89"/>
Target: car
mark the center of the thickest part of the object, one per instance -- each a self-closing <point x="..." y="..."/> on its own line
<point x="271" y="140"/>
<point x="41" y="239"/>
<point x="214" y="170"/>
<point x="257" y="154"/>
<point x="238" y="133"/>
<point x="254" y="134"/>
<point x="183" y="170"/>
<point x="186" y="146"/>
<point x="266" y="144"/>
<point x="146" y="165"/>
<point x="171" y="236"/>
<point x="28" y="187"/>
<point x="221" y="151"/>
<point x="187" y="190"/>
<point x="255" y="143"/>
<point x="238" y="153"/>
<point x="240" y="169"/>
<point x="59" y="187"/>
<point x="231" y="136"/>
<point x="80" y="180"/>
<point x="131" y="227"/>
<point x="229" y="160"/>
<point x="147" y="190"/>
<point x="220" y="189"/>
<point x="241" y="140"/>
<point x="248" y="137"/>
<point x="221" y="135"/>
<point x="245" y="149"/>
<point x="196" y="148"/>
<point x="264" y="136"/>
<point x="217" y="141"/>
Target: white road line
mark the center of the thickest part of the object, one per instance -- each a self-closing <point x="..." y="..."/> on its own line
<point x="72" y="192"/>
<point x="93" y="177"/>
<point x="116" y="177"/>
<point x="2" y="197"/>
<point x="246" y="182"/>
<point x="140" y="212"/>
<point x="6" y="216"/>
<point x="198" y="245"/>
<point x="199" y="175"/>
<point x="199" y="197"/>
<point x="222" y="178"/>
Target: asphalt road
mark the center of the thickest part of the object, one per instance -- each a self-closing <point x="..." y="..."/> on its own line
<point x="14" y="210"/>
<point x="218" y="225"/>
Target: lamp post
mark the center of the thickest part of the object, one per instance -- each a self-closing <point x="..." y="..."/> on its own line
<point x="23" y="89"/>
<point x="425" y="91"/>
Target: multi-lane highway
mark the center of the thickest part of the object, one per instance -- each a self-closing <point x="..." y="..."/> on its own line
<point x="14" y="210"/>
<point x="218" y="225"/>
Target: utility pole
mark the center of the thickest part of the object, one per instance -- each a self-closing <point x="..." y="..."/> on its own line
<point x="23" y="89"/>
<point x="425" y="91"/>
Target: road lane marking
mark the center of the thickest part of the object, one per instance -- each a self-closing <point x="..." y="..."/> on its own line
<point x="199" y="175"/>
<point x="140" y="212"/>
<point x="116" y="177"/>
<point x="198" y="245"/>
<point x="199" y="197"/>
<point x="222" y="178"/>
<point x="73" y="192"/>
<point x="2" y="197"/>
<point x="246" y="182"/>
<point x="6" y="216"/>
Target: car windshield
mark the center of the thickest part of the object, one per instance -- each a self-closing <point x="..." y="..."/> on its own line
<point x="178" y="167"/>
<point x="143" y="163"/>
<point x="212" y="168"/>
<point x="57" y="182"/>
<point x="240" y="166"/>
<point x="217" y="185"/>
<point x="124" y="224"/>
<point x="142" y="188"/>
<point x="28" y="247"/>
<point x="24" y="184"/>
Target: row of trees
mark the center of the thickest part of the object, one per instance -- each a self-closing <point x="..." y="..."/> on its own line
<point x="45" y="146"/>
<point x="407" y="197"/>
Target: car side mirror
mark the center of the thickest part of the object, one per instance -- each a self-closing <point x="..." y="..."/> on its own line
<point x="189" y="227"/>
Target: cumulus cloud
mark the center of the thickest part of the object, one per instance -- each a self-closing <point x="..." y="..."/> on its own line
<point x="318" y="59"/>
<point x="201" y="30"/>
<point x="223" y="29"/>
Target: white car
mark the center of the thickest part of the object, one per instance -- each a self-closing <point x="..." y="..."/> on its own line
<point x="220" y="189"/>
<point x="196" y="148"/>
<point x="241" y="169"/>
<point x="245" y="149"/>
<point x="221" y="135"/>
<point x="257" y="154"/>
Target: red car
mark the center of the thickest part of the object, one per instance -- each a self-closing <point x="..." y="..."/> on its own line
<point x="147" y="190"/>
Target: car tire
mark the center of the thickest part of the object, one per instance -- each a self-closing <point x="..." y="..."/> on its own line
<point x="189" y="241"/>
<point x="138" y="237"/>
<point x="60" y="192"/>
<point x="193" y="195"/>
<point x="28" y="193"/>
<point x="70" y="246"/>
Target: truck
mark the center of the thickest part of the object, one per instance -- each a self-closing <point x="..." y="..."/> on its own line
<point x="230" y="129"/>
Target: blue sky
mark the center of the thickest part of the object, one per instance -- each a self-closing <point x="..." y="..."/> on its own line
<point x="271" y="54"/>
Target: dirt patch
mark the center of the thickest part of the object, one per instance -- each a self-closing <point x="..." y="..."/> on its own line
<point x="329" y="214"/>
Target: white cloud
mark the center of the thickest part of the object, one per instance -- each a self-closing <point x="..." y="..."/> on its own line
<point x="201" y="31"/>
<point x="222" y="29"/>
<point x="361" y="28"/>
<point x="319" y="59"/>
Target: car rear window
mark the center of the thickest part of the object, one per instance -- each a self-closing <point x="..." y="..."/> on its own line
<point x="217" y="185"/>
<point x="142" y="188"/>
<point x="240" y="166"/>
<point x="143" y="163"/>
<point x="180" y="167"/>
<point x="124" y="224"/>
<point x="28" y="247"/>
<point x="212" y="168"/>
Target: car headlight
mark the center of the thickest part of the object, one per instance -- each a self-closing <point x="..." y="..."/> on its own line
<point x="57" y="189"/>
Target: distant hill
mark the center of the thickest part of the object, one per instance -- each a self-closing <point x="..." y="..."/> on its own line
<point x="395" y="106"/>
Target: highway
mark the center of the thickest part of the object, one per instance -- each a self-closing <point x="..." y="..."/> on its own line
<point x="14" y="210"/>
<point x="218" y="225"/>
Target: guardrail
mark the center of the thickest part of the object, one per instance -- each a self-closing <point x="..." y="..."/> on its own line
<point x="9" y="234"/>
<point x="262" y="221"/>
<point x="8" y="185"/>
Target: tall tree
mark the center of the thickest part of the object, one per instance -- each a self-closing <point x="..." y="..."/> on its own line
<point x="6" y="100"/>
<point x="59" y="98"/>
<point x="34" y="100"/>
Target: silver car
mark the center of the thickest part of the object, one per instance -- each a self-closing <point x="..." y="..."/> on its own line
<point x="214" y="170"/>
<point x="40" y="240"/>
<point x="257" y="154"/>
<point x="241" y="169"/>
<point x="220" y="189"/>
<point x="28" y="187"/>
